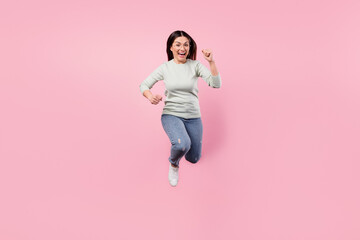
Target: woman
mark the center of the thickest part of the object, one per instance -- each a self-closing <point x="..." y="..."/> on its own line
<point x="181" y="118"/>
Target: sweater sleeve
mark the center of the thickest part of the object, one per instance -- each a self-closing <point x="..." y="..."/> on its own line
<point x="204" y="73"/>
<point x="153" y="78"/>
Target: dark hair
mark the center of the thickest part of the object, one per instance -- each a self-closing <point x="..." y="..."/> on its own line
<point x="171" y="39"/>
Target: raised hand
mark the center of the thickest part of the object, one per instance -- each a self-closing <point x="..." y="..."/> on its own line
<point x="208" y="55"/>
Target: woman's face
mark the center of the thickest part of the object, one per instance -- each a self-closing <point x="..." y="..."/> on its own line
<point x="180" y="49"/>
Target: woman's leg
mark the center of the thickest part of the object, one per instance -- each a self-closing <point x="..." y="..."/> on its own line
<point x="194" y="129"/>
<point x="179" y="138"/>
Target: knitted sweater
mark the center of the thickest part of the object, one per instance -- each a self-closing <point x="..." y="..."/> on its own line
<point x="181" y="86"/>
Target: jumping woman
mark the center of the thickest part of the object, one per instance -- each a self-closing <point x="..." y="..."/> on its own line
<point x="181" y="118"/>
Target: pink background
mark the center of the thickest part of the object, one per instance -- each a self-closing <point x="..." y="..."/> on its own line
<point x="83" y="155"/>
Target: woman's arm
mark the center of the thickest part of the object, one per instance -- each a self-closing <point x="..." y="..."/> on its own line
<point x="211" y="77"/>
<point x="213" y="68"/>
<point x="208" y="55"/>
<point x="149" y="82"/>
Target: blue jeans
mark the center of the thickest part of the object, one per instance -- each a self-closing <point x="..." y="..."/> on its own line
<point x="185" y="136"/>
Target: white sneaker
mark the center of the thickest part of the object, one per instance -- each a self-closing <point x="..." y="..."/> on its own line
<point x="173" y="175"/>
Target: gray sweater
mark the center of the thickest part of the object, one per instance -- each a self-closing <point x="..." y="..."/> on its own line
<point x="181" y="86"/>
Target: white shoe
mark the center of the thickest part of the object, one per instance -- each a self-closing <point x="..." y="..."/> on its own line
<point x="173" y="175"/>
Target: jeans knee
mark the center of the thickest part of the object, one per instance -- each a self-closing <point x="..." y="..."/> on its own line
<point x="182" y="146"/>
<point x="193" y="159"/>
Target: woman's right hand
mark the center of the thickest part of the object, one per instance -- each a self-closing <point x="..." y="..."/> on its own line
<point x="155" y="99"/>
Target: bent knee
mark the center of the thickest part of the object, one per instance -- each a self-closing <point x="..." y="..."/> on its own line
<point x="193" y="159"/>
<point x="183" y="146"/>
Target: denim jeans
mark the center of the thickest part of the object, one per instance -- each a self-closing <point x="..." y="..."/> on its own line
<point x="185" y="136"/>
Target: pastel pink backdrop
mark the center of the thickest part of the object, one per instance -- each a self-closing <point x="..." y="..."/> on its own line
<point x="83" y="154"/>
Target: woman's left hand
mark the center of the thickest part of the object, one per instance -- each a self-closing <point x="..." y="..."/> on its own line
<point x="208" y="55"/>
